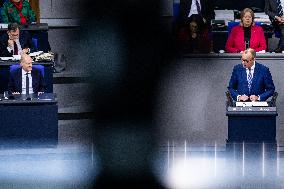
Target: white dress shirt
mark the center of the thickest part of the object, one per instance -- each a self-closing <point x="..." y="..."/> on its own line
<point x="251" y="71"/>
<point x="193" y="8"/>
<point x="31" y="91"/>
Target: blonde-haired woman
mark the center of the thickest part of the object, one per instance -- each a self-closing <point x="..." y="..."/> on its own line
<point x="246" y="35"/>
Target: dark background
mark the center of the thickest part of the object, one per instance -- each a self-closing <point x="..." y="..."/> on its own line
<point x="257" y="5"/>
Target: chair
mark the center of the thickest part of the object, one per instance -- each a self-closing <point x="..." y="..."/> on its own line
<point x="272" y="102"/>
<point x="39" y="67"/>
<point x="35" y="42"/>
<point x="230" y="100"/>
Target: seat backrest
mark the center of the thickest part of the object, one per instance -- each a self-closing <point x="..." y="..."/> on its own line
<point x="35" y="43"/>
<point x="231" y="25"/>
<point x="39" y="67"/>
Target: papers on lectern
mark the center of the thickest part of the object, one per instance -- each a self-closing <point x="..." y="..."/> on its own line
<point x="256" y="103"/>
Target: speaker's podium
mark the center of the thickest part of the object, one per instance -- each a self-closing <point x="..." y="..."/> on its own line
<point x="252" y="136"/>
<point x="251" y="122"/>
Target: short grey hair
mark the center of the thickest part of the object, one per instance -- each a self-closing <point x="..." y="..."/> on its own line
<point x="251" y="51"/>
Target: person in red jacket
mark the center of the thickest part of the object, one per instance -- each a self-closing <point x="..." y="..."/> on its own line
<point x="246" y="35"/>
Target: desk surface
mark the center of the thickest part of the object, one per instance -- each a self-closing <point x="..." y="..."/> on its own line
<point x="11" y="62"/>
<point x="232" y="56"/>
<point x="46" y="98"/>
<point x="31" y="27"/>
<point x="251" y="111"/>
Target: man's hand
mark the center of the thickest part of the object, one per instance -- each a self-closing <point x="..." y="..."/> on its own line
<point x="26" y="50"/>
<point x="280" y="20"/>
<point x="39" y="93"/>
<point x="253" y="98"/>
<point x="243" y="98"/>
<point x="10" y="43"/>
<point x="15" y="93"/>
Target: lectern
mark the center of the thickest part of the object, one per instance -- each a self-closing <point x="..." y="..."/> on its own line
<point x="252" y="124"/>
<point x="29" y="121"/>
<point x="252" y="137"/>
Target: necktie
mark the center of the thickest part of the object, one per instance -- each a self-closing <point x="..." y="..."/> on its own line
<point x="27" y="84"/>
<point x="249" y="79"/>
<point x="279" y="8"/>
<point x="15" y="48"/>
<point x="198" y="7"/>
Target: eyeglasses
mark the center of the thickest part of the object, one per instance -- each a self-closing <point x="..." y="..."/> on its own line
<point x="13" y="35"/>
<point x="244" y="60"/>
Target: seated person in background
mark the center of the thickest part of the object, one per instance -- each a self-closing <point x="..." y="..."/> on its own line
<point x="18" y="11"/>
<point x="194" y="37"/>
<point x="274" y="9"/>
<point x="14" y="42"/>
<point x="246" y="35"/>
<point x="204" y="8"/>
<point x="26" y="80"/>
<point x="251" y="80"/>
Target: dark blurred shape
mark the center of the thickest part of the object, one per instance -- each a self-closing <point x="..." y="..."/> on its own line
<point x="194" y="36"/>
<point x="207" y="10"/>
<point x="125" y="46"/>
<point x="272" y="103"/>
<point x="230" y="101"/>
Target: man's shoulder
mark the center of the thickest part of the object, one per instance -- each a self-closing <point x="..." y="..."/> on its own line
<point x="16" y="71"/>
<point x="261" y="66"/>
<point x="238" y="67"/>
<point x="4" y="37"/>
<point x="257" y="64"/>
<point x="24" y="33"/>
<point x="36" y="71"/>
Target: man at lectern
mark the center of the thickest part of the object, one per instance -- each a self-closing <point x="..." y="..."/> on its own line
<point x="251" y="81"/>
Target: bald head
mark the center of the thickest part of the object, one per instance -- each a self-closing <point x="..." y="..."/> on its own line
<point x="26" y="62"/>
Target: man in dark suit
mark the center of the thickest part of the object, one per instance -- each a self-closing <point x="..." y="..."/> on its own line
<point x="15" y="41"/>
<point x="274" y="9"/>
<point x="204" y="8"/>
<point x="251" y="80"/>
<point x="26" y="80"/>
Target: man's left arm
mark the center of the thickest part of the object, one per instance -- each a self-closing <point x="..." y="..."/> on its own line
<point x="268" y="85"/>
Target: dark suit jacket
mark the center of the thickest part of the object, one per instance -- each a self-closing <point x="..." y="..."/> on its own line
<point x="270" y="9"/>
<point x="15" y="81"/>
<point x="207" y="9"/>
<point x="262" y="83"/>
<point x="25" y="41"/>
